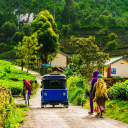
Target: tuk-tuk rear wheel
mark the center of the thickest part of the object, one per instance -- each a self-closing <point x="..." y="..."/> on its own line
<point x="42" y="106"/>
<point x="65" y="106"/>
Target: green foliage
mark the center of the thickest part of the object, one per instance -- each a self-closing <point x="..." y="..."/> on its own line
<point x="15" y="118"/>
<point x="111" y="81"/>
<point x="88" y="16"/>
<point x="112" y="45"/>
<point x="65" y="29"/>
<point x="18" y="37"/>
<point x="8" y="29"/>
<point x="27" y="50"/>
<point x="117" y="109"/>
<point x="27" y="30"/>
<point x="3" y="47"/>
<point x="68" y="15"/>
<point x="119" y="91"/>
<point x="103" y="32"/>
<point x="90" y="56"/>
<point x="8" y="74"/>
<point x="70" y="71"/>
<point x="77" y="25"/>
<point x="76" y="88"/>
<point x="7" y="69"/>
<point x="45" y="27"/>
<point x="8" y="55"/>
<point x="10" y="115"/>
<point x="112" y="36"/>
<point x="7" y="16"/>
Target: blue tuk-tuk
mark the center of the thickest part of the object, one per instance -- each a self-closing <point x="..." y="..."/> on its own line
<point x="54" y="90"/>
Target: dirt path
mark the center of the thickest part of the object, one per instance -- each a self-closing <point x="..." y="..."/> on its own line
<point x="59" y="117"/>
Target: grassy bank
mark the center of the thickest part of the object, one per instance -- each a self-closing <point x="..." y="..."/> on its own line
<point x="115" y="109"/>
<point x="11" y="78"/>
<point x="14" y="115"/>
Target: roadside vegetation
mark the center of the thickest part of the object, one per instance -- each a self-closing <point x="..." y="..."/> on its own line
<point x="116" y="108"/>
<point x="11" y="78"/>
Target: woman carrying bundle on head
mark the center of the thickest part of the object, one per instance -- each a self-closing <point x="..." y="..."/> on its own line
<point x="99" y="95"/>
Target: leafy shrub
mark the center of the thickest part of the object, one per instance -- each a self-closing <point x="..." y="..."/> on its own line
<point x="7" y="68"/>
<point x="75" y="93"/>
<point x="10" y="115"/>
<point x="2" y="74"/>
<point x="78" y="100"/>
<point x="87" y="90"/>
<point x="75" y="81"/>
<point x="119" y="91"/>
<point x="69" y="72"/>
<point x="111" y="81"/>
<point x="76" y="88"/>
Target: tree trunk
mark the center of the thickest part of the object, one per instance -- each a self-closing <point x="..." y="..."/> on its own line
<point x="22" y="67"/>
<point x="54" y="10"/>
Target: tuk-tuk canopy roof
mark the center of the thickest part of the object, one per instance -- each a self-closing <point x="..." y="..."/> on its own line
<point x="54" y="77"/>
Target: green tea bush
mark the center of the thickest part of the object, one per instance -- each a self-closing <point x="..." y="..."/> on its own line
<point x="13" y="77"/>
<point x="7" y="68"/>
<point x="119" y="91"/>
<point x="111" y="81"/>
<point x="2" y="75"/>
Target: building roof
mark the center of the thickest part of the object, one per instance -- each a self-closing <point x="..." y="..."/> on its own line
<point x="115" y="59"/>
<point x="59" y="52"/>
<point x="64" y="54"/>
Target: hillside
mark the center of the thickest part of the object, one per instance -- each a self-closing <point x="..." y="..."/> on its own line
<point x="122" y="41"/>
<point x="84" y="17"/>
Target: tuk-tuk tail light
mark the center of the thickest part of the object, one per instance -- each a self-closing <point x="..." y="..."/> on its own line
<point x="64" y="94"/>
<point x="45" y="94"/>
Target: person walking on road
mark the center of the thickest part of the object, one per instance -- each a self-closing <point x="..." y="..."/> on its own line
<point x="94" y="80"/>
<point x="100" y="96"/>
<point x="27" y="86"/>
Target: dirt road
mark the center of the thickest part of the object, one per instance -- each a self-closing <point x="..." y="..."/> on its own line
<point x="60" y="117"/>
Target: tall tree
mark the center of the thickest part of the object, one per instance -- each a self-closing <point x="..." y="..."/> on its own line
<point x="45" y="27"/>
<point x="8" y="30"/>
<point x="27" y="50"/>
<point x="20" y="53"/>
<point x="69" y="13"/>
<point x="90" y="56"/>
<point x="31" y="45"/>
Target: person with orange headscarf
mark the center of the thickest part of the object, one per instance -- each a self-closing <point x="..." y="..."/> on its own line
<point x="100" y="96"/>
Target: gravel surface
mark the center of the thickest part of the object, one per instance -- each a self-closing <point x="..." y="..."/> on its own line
<point x="60" y="117"/>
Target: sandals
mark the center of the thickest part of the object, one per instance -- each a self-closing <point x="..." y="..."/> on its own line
<point x="101" y="116"/>
<point x="90" y="113"/>
<point x="97" y="115"/>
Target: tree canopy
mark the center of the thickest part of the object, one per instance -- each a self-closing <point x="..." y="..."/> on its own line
<point x="89" y="56"/>
<point x="27" y="50"/>
<point x="45" y="27"/>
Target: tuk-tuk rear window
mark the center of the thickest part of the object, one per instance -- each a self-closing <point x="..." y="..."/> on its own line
<point x="54" y="84"/>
